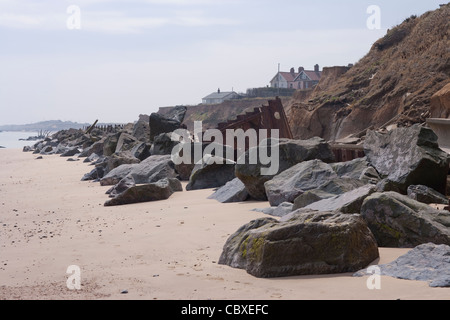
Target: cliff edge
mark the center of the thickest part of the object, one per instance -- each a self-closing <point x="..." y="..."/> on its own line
<point x="392" y="84"/>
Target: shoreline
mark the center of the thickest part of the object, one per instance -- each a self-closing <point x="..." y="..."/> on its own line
<point x="163" y="250"/>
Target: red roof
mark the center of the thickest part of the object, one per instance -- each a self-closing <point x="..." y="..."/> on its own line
<point x="289" y="76"/>
<point x="314" y="76"/>
<point x="292" y="77"/>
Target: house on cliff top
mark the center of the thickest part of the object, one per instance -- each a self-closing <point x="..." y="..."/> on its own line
<point x="219" y="97"/>
<point x="303" y="79"/>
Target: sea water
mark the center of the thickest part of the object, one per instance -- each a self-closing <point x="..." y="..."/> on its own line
<point x="10" y="139"/>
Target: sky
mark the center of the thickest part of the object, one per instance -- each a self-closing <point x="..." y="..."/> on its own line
<point x="112" y="60"/>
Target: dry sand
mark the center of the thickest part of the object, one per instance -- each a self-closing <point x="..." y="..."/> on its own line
<point x="167" y="250"/>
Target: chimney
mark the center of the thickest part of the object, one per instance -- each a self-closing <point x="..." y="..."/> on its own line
<point x="292" y="71"/>
<point x="218" y="90"/>
<point x="300" y="69"/>
<point x="316" y="68"/>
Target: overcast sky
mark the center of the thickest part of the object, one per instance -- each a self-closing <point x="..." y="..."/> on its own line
<point x="132" y="57"/>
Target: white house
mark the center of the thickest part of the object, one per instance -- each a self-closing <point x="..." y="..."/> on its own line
<point x="219" y="97"/>
<point x="303" y="79"/>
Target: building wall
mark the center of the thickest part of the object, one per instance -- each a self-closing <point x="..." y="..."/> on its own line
<point x="279" y="80"/>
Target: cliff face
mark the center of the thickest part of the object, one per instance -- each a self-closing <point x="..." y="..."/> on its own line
<point x="393" y="83"/>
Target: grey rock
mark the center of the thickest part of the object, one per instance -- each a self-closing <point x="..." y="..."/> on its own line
<point x="232" y="191"/>
<point x="70" y="152"/>
<point x="114" y="176"/>
<point x="309" y="197"/>
<point x="427" y="262"/>
<point x="163" y="144"/>
<point x="110" y="144"/>
<point x="333" y="187"/>
<point x="150" y="170"/>
<point x="96" y="147"/>
<point x="398" y="221"/>
<point x="292" y="182"/>
<point x="359" y="169"/>
<point x="119" y="158"/>
<point x="211" y="172"/>
<point x="185" y="165"/>
<point x="348" y="202"/>
<point x="175" y="185"/>
<point x="177" y="113"/>
<point x="128" y="182"/>
<point x="126" y="142"/>
<point x="291" y="152"/>
<point x="92" y="158"/>
<point x="46" y="150"/>
<point x="141" y="129"/>
<point x="124" y="184"/>
<point x="426" y="195"/>
<point x="153" y="168"/>
<point x="386" y="185"/>
<point x="307" y="243"/>
<point x="141" y="151"/>
<point x="94" y="174"/>
<point x="279" y="211"/>
<point x="408" y="156"/>
<point x="159" y="190"/>
<point x="160" y="124"/>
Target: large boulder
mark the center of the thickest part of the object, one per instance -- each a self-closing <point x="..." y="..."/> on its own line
<point x="177" y="113"/>
<point x="426" y="195"/>
<point x="319" y="180"/>
<point x="186" y="163"/>
<point x="96" y="147"/>
<point x="427" y="262"/>
<point x="408" y="156"/>
<point x="159" y="190"/>
<point x="110" y="144"/>
<point x="348" y="202"/>
<point x="141" y="151"/>
<point x="358" y="168"/>
<point x="398" y="221"/>
<point x="119" y="158"/>
<point x="126" y="142"/>
<point x="150" y="170"/>
<point x="330" y="189"/>
<point x="141" y="129"/>
<point x="290" y="152"/>
<point x="117" y="174"/>
<point x="163" y="144"/>
<point x="160" y="124"/>
<point x="153" y="169"/>
<point x="211" y="172"/>
<point x="71" y="151"/>
<point x="232" y="191"/>
<point x="281" y="210"/>
<point x="304" y="176"/>
<point x="307" y="243"/>
<point x="121" y="186"/>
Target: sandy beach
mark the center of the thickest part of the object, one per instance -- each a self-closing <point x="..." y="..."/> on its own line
<point x="165" y="250"/>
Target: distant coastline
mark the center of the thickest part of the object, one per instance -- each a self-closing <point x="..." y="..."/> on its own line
<point x="51" y="126"/>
